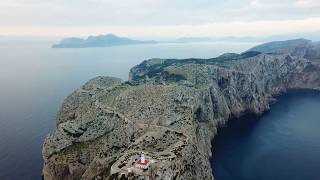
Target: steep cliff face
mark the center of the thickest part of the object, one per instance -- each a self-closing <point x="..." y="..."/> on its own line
<point x="170" y="110"/>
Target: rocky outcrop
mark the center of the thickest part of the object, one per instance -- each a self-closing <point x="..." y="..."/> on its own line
<point x="169" y="109"/>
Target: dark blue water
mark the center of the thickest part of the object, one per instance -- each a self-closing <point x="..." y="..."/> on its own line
<point x="283" y="144"/>
<point x="34" y="79"/>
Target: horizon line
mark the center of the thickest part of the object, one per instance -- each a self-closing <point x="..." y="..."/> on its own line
<point x="262" y="28"/>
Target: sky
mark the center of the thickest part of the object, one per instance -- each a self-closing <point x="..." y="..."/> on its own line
<point x="158" y="18"/>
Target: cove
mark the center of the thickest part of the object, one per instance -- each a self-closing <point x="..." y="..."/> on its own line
<point x="283" y="143"/>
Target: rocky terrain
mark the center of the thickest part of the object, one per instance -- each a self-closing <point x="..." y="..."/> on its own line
<point x="170" y="109"/>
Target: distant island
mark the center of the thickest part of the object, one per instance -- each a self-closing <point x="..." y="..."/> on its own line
<point x="109" y="40"/>
<point x="99" y="41"/>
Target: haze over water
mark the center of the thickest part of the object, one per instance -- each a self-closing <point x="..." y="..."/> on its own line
<point x="36" y="78"/>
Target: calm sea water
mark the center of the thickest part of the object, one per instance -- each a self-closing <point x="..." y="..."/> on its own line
<point x="283" y="144"/>
<point x="34" y="80"/>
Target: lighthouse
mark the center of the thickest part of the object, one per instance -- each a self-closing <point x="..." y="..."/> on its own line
<point x="143" y="159"/>
<point x="142" y="162"/>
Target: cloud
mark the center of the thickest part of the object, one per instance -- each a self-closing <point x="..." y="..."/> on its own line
<point x="166" y="14"/>
<point x="240" y="28"/>
<point x="307" y="3"/>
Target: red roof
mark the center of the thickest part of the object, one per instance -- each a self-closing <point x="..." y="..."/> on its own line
<point x="145" y="162"/>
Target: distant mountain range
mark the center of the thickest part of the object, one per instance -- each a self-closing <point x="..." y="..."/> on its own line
<point x="99" y="41"/>
<point x="315" y="36"/>
<point x="113" y="40"/>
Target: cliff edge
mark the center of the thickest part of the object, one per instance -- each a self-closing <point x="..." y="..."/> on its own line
<point x="170" y="110"/>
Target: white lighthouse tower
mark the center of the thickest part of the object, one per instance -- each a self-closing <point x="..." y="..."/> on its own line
<point x="143" y="159"/>
<point x="142" y="162"/>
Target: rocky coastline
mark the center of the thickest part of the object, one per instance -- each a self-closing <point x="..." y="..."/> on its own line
<point x="170" y="110"/>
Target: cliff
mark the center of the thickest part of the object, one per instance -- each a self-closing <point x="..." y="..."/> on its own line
<point x="170" y="109"/>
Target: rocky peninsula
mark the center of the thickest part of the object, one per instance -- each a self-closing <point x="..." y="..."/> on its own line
<point x="170" y="110"/>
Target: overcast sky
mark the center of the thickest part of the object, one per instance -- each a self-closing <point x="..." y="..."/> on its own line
<point x="158" y="18"/>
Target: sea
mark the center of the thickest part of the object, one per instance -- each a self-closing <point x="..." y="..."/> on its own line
<point x="35" y="78"/>
<point x="282" y="144"/>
